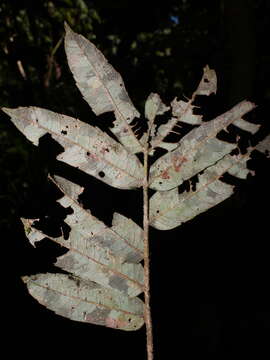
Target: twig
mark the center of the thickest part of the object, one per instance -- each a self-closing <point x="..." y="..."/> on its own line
<point x="48" y="75"/>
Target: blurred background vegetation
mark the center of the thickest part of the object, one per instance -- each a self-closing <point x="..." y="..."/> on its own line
<point x="157" y="47"/>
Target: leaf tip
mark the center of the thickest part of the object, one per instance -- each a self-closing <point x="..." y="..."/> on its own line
<point x="67" y="27"/>
<point x="8" y="111"/>
<point x="25" y="279"/>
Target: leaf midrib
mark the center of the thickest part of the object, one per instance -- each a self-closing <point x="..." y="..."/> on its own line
<point x="107" y="90"/>
<point x="89" y="257"/>
<point x="211" y="135"/>
<point x="66" y="137"/>
<point x="192" y="193"/>
<point x="84" y="300"/>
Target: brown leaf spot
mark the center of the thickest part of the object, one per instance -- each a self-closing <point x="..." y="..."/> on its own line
<point x="177" y="162"/>
<point x="165" y="175"/>
<point x="114" y="323"/>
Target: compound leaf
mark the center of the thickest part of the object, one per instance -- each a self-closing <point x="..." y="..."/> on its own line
<point x="105" y="275"/>
<point x="84" y="301"/>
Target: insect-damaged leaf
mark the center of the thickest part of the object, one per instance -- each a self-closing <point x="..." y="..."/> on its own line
<point x="125" y="237"/>
<point x="183" y="111"/>
<point x="168" y="209"/>
<point x="196" y="151"/>
<point x="208" y="83"/>
<point x="84" y="301"/>
<point x="97" y="252"/>
<point x="153" y="107"/>
<point x="102" y="87"/>
<point x="86" y="147"/>
<point x="264" y="146"/>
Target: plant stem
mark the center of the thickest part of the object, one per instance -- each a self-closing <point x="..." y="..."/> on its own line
<point x="147" y="308"/>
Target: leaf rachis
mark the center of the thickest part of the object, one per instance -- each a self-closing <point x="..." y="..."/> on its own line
<point x="103" y="264"/>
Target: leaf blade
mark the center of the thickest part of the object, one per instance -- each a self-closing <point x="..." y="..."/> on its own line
<point x="183" y="110"/>
<point x="196" y="151"/>
<point x="125" y="237"/>
<point x="86" y="147"/>
<point x="96" y="252"/>
<point x="101" y="86"/>
<point x="264" y="146"/>
<point x="86" y="301"/>
<point x="168" y="209"/>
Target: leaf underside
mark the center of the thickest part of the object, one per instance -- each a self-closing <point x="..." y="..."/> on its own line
<point x="168" y="209"/>
<point x="105" y="275"/>
<point x="83" y="301"/>
<point x="107" y="256"/>
<point x="102" y="87"/>
<point x="85" y="147"/>
<point x="196" y="151"/>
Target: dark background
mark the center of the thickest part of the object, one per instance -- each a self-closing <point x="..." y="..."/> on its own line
<point x="210" y="276"/>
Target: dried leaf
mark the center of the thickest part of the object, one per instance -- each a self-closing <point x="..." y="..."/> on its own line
<point x="86" y="147"/>
<point x="97" y="252"/>
<point x="208" y="84"/>
<point x="264" y="146"/>
<point x="168" y="209"/>
<point x="102" y="87"/>
<point x="94" y="263"/>
<point x="123" y="239"/>
<point x="84" y="301"/>
<point x="183" y="110"/>
<point x="247" y="126"/>
<point x="153" y="107"/>
<point x="129" y="230"/>
<point x="104" y="262"/>
<point x="196" y="151"/>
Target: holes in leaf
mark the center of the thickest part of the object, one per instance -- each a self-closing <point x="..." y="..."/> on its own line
<point x="157" y="211"/>
<point x="206" y="80"/>
<point x="65" y="230"/>
<point x="101" y="174"/>
<point x="64" y="132"/>
<point x="121" y="85"/>
<point x="192" y="182"/>
<point x="88" y="153"/>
